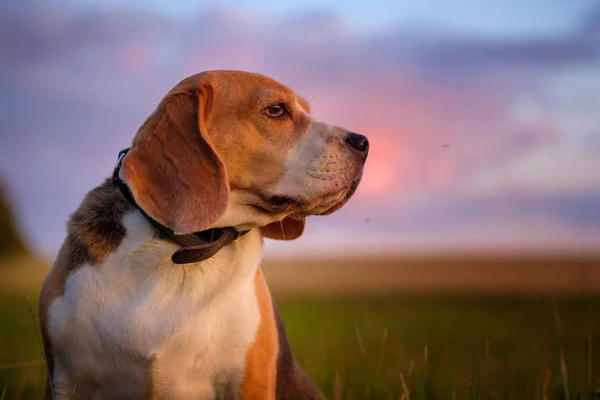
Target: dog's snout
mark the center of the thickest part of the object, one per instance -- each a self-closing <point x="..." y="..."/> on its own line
<point x="358" y="141"/>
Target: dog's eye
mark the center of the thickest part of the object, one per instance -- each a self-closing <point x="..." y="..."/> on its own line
<point x="276" y="110"/>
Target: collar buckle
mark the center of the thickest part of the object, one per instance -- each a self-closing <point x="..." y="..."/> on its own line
<point x="120" y="157"/>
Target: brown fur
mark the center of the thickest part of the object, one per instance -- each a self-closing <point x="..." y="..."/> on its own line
<point x="172" y="170"/>
<point x="250" y="144"/>
<point x="271" y="371"/>
<point x="93" y="232"/>
<point x="95" y="228"/>
<point x="261" y="360"/>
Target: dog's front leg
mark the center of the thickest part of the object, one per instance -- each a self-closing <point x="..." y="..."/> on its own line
<point x="261" y="360"/>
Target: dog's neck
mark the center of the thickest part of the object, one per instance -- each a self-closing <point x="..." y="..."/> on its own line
<point x="109" y="232"/>
<point x="232" y="267"/>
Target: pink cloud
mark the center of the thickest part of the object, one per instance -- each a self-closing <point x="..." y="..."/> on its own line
<point x="82" y="80"/>
<point x="384" y="172"/>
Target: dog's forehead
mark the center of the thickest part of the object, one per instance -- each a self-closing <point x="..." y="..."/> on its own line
<point x="250" y="78"/>
<point x="269" y="94"/>
<point x="258" y="87"/>
<point x="247" y="89"/>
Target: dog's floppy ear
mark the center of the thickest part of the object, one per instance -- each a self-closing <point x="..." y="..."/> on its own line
<point x="288" y="229"/>
<point x="172" y="169"/>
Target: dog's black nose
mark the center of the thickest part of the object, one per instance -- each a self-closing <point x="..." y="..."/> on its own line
<point x="358" y="141"/>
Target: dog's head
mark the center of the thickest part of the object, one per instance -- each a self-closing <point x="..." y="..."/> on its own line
<point x="232" y="148"/>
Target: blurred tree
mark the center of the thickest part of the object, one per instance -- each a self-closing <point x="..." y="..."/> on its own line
<point x="10" y="240"/>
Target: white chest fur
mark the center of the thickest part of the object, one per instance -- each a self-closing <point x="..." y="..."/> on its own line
<point x="140" y="324"/>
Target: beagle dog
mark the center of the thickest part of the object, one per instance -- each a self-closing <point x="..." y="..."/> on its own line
<point x="157" y="291"/>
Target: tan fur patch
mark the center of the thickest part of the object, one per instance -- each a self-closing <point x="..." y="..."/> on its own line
<point x="261" y="361"/>
<point x="252" y="145"/>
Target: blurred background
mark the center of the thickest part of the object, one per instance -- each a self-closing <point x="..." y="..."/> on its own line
<point x="468" y="262"/>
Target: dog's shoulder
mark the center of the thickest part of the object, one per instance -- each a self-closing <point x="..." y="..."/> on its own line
<point x="93" y="231"/>
<point x="96" y="228"/>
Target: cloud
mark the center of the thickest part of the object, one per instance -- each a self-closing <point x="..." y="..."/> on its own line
<point x="452" y="119"/>
<point x="445" y="57"/>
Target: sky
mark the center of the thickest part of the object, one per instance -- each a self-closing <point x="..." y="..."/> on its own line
<point x="483" y="116"/>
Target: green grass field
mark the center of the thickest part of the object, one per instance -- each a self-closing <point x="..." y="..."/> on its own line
<point x="446" y="347"/>
<point x="358" y="345"/>
<point x="394" y="346"/>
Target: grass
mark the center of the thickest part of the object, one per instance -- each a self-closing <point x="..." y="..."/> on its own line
<point x="358" y="345"/>
<point x="474" y="347"/>
<point x="22" y="370"/>
<point x="393" y="347"/>
<point x="3" y="396"/>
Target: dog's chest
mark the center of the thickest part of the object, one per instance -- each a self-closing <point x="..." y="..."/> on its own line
<point x="168" y="329"/>
<point x="205" y="357"/>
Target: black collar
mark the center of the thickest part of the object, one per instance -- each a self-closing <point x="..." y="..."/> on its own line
<point x="195" y="247"/>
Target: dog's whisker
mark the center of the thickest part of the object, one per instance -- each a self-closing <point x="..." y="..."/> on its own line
<point x="282" y="229"/>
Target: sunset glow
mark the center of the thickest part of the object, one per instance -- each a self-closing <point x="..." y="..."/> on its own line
<point x="461" y="115"/>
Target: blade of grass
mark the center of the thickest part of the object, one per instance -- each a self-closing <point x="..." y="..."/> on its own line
<point x="563" y="363"/>
<point x="361" y="344"/>
<point x="39" y="338"/>
<point x="404" y="387"/>
<point x="4" y="391"/>
<point x="486" y="367"/>
<point x="381" y="355"/>
<point x="424" y="380"/>
<point x="337" y="388"/>
<point x="469" y="392"/>
<point x="74" y="390"/>
<point x="547" y="378"/>
<point x="493" y="394"/>
<point x="589" y="383"/>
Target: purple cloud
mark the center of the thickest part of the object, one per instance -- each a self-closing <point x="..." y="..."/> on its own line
<point x="441" y="110"/>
